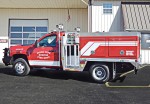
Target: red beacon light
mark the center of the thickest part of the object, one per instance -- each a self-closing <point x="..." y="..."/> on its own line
<point x="60" y="26"/>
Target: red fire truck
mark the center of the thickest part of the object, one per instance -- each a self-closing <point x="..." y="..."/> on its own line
<point x="102" y="54"/>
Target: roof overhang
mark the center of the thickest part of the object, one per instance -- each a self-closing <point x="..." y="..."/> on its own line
<point x="43" y="3"/>
<point x="124" y="0"/>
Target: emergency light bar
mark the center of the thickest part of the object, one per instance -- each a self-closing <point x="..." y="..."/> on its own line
<point x="77" y="29"/>
<point x="60" y="26"/>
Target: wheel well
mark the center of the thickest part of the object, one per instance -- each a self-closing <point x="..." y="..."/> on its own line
<point x="120" y="66"/>
<point x="89" y="63"/>
<point x="16" y="56"/>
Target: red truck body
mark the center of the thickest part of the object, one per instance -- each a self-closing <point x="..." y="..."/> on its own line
<point x="110" y="47"/>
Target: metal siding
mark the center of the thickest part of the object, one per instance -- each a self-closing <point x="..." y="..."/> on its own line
<point x="106" y="22"/>
<point x="145" y="16"/>
<point x="54" y="16"/>
<point x="135" y="13"/>
<point x="90" y="18"/>
<point x="94" y="24"/>
<point x="129" y="16"/>
<point x="142" y="16"/>
<point x="145" y="59"/>
<point x="145" y="49"/>
<point x="148" y="16"/>
<point x="136" y="16"/>
<point x="134" y="23"/>
<point x="125" y="16"/>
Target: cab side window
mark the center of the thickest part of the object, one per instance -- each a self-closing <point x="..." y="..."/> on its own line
<point x="49" y="41"/>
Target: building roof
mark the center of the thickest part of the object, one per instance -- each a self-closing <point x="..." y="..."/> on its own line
<point x="136" y="15"/>
<point x="124" y="0"/>
<point x="43" y="3"/>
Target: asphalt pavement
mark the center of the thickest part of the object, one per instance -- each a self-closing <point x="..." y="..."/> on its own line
<point x="141" y="79"/>
<point x="51" y="87"/>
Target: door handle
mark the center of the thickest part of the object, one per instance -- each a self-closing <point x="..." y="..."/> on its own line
<point x="52" y="50"/>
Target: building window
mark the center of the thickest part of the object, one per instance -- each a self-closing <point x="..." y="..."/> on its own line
<point x="107" y="8"/>
<point x="26" y="31"/>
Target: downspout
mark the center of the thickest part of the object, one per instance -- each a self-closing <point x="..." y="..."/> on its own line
<point x="89" y="4"/>
<point x="90" y="16"/>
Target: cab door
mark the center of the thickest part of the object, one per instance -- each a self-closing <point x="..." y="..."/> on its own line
<point x="46" y="53"/>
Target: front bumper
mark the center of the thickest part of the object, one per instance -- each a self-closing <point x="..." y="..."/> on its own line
<point x="7" y="60"/>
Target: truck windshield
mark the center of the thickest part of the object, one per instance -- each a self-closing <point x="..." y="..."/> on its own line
<point x="49" y="41"/>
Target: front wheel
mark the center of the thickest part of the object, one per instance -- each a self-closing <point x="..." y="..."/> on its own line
<point x="21" y="67"/>
<point x="100" y="73"/>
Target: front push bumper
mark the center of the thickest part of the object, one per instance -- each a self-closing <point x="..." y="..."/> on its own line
<point x="7" y="59"/>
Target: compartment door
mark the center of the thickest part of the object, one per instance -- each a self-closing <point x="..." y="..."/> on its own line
<point x="123" y="47"/>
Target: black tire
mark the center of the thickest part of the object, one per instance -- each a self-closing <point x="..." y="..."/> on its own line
<point x="21" y="67"/>
<point x="100" y="73"/>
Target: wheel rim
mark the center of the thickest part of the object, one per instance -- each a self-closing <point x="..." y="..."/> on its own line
<point x="20" y="68"/>
<point x="99" y="73"/>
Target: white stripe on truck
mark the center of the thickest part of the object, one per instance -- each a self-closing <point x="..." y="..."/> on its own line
<point x="43" y="63"/>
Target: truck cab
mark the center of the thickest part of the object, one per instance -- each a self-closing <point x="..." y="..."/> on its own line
<point x="44" y="53"/>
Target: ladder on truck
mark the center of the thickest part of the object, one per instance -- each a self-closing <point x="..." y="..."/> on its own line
<point x="70" y="51"/>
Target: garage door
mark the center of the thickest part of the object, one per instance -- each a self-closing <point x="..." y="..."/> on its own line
<point x="26" y="31"/>
<point x="145" y="46"/>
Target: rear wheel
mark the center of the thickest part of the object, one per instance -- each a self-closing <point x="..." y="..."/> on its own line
<point x="21" y="67"/>
<point x="100" y="73"/>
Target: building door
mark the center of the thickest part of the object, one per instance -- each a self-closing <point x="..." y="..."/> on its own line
<point x="26" y="31"/>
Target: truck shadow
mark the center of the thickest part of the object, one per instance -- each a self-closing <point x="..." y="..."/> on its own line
<point x="6" y="70"/>
<point x="62" y="75"/>
<point x="79" y="76"/>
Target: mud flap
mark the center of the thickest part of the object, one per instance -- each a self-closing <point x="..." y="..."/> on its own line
<point x="135" y="70"/>
<point x="114" y="70"/>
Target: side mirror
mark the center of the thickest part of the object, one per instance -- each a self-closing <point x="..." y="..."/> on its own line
<point x="35" y="44"/>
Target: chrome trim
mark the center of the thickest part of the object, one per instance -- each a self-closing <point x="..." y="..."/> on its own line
<point x="107" y="60"/>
